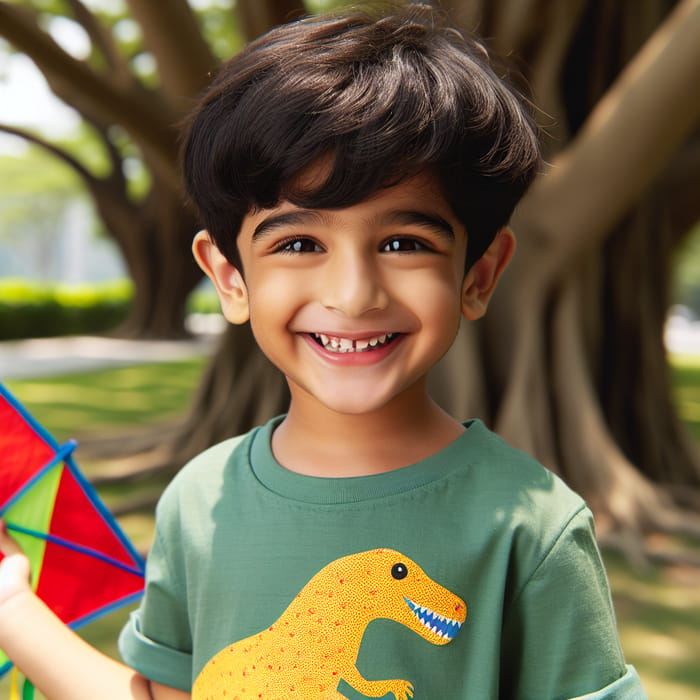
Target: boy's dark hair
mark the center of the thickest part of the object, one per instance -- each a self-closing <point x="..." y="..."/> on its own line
<point x="384" y="96"/>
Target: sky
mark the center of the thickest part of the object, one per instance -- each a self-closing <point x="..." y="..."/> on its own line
<point x="25" y="98"/>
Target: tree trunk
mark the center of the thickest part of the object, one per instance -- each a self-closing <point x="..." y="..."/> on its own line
<point x="257" y="16"/>
<point x="156" y="248"/>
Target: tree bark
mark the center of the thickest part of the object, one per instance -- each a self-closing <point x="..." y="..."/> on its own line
<point x="257" y="16"/>
<point x="171" y="32"/>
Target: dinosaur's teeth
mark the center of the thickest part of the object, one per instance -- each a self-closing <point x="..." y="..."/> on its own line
<point x="440" y="625"/>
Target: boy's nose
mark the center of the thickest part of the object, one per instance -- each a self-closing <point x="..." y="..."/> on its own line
<point x="352" y="285"/>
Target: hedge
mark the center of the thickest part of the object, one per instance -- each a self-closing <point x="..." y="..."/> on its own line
<point x="33" y="310"/>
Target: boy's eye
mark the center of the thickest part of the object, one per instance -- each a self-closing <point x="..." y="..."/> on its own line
<point x="298" y="245"/>
<point x="403" y="245"/>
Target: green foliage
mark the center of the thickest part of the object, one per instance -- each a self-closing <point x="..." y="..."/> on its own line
<point x="203" y="301"/>
<point x="218" y="22"/>
<point x="30" y="310"/>
<point x="687" y="277"/>
<point x="37" y="187"/>
<point x="686" y="390"/>
<point x="35" y="172"/>
<point x="324" y="5"/>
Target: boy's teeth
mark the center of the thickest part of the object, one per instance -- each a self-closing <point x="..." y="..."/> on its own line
<point x="342" y="345"/>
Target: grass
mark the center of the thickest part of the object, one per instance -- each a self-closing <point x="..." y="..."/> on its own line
<point x="658" y="613"/>
<point x="110" y="400"/>
<point x="658" y="608"/>
<point x="686" y="378"/>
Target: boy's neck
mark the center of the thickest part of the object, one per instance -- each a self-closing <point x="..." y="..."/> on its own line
<point x="316" y="441"/>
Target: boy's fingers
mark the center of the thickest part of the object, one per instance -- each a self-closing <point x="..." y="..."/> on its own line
<point x="16" y="569"/>
<point x="7" y="543"/>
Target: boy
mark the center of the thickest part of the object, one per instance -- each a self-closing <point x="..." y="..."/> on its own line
<point x="355" y="174"/>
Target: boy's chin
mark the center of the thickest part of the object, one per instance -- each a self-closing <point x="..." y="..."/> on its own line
<point x="355" y="400"/>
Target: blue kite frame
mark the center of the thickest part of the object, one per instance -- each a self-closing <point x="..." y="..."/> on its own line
<point x="63" y="454"/>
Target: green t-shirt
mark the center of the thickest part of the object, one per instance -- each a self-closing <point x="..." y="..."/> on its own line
<point x="357" y="587"/>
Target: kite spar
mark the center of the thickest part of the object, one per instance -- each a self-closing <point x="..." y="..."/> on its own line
<point x="83" y="566"/>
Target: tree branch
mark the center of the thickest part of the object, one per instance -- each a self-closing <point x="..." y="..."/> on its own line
<point x="547" y="63"/>
<point x="171" y="32"/>
<point x="103" y="41"/>
<point x="149" y="122"/>
<point x="109" y="193"/>
<point x="51" y="148"/>
<point x="643" y="119"/>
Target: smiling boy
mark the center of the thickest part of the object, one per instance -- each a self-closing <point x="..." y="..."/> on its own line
<point x="355" y="306"/>
<point x="355" y="174"/>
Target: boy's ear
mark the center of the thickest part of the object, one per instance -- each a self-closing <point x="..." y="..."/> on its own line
<point x="480" y="282"/>
<point x="227" y="279"/>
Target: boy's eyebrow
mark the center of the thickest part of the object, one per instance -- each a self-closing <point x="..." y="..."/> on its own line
<point x="290" y="218"/>
<point x="434" y="222"/>
<point x="420" y="218"/>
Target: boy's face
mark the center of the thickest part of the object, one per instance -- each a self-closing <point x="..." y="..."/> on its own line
<point x="353" y="305"/>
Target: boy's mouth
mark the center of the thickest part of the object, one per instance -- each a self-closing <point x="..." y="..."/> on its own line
<point x="346" y="345"/>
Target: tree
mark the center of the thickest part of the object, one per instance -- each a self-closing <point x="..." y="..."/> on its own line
<point x="569" y="363"/>
<point x="131" y="118"/>
<point x="587" y="361"/>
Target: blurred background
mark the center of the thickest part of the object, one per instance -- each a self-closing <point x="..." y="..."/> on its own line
<point x="589" y="357"/>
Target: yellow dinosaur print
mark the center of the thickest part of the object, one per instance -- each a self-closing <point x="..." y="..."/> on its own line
<point x="315" y="642"/>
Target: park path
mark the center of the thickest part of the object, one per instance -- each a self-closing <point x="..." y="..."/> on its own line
<point x="38" y="357"/>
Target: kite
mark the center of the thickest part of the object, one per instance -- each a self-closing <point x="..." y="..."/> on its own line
<point x="83" y="566"/>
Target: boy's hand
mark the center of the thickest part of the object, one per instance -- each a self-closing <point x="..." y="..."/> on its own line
<point x="14" y="567"/>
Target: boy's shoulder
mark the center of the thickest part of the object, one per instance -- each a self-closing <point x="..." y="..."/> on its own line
<point x="494" y="460"/>
<point x="515" y="482"/>
<point x="200" y="481"/>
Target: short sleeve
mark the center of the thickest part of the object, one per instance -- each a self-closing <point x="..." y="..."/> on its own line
<point x="560" y="636"/>
<point x="629" y="687"/>
<point x="157" y="641"/>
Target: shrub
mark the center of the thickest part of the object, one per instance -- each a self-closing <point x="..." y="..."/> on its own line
<point x="33" y="310"/>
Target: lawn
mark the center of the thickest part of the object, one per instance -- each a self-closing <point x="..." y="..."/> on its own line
<point x="686" y="376"/>
<point x="658" y="607"/>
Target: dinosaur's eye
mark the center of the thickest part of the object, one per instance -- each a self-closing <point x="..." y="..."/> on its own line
<point x="399" y="571"/>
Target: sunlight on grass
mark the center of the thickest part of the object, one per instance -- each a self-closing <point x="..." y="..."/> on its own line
<point x="105" y="401"/>
<point x="686" y="378"/>
<point x="659" y="620"/>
